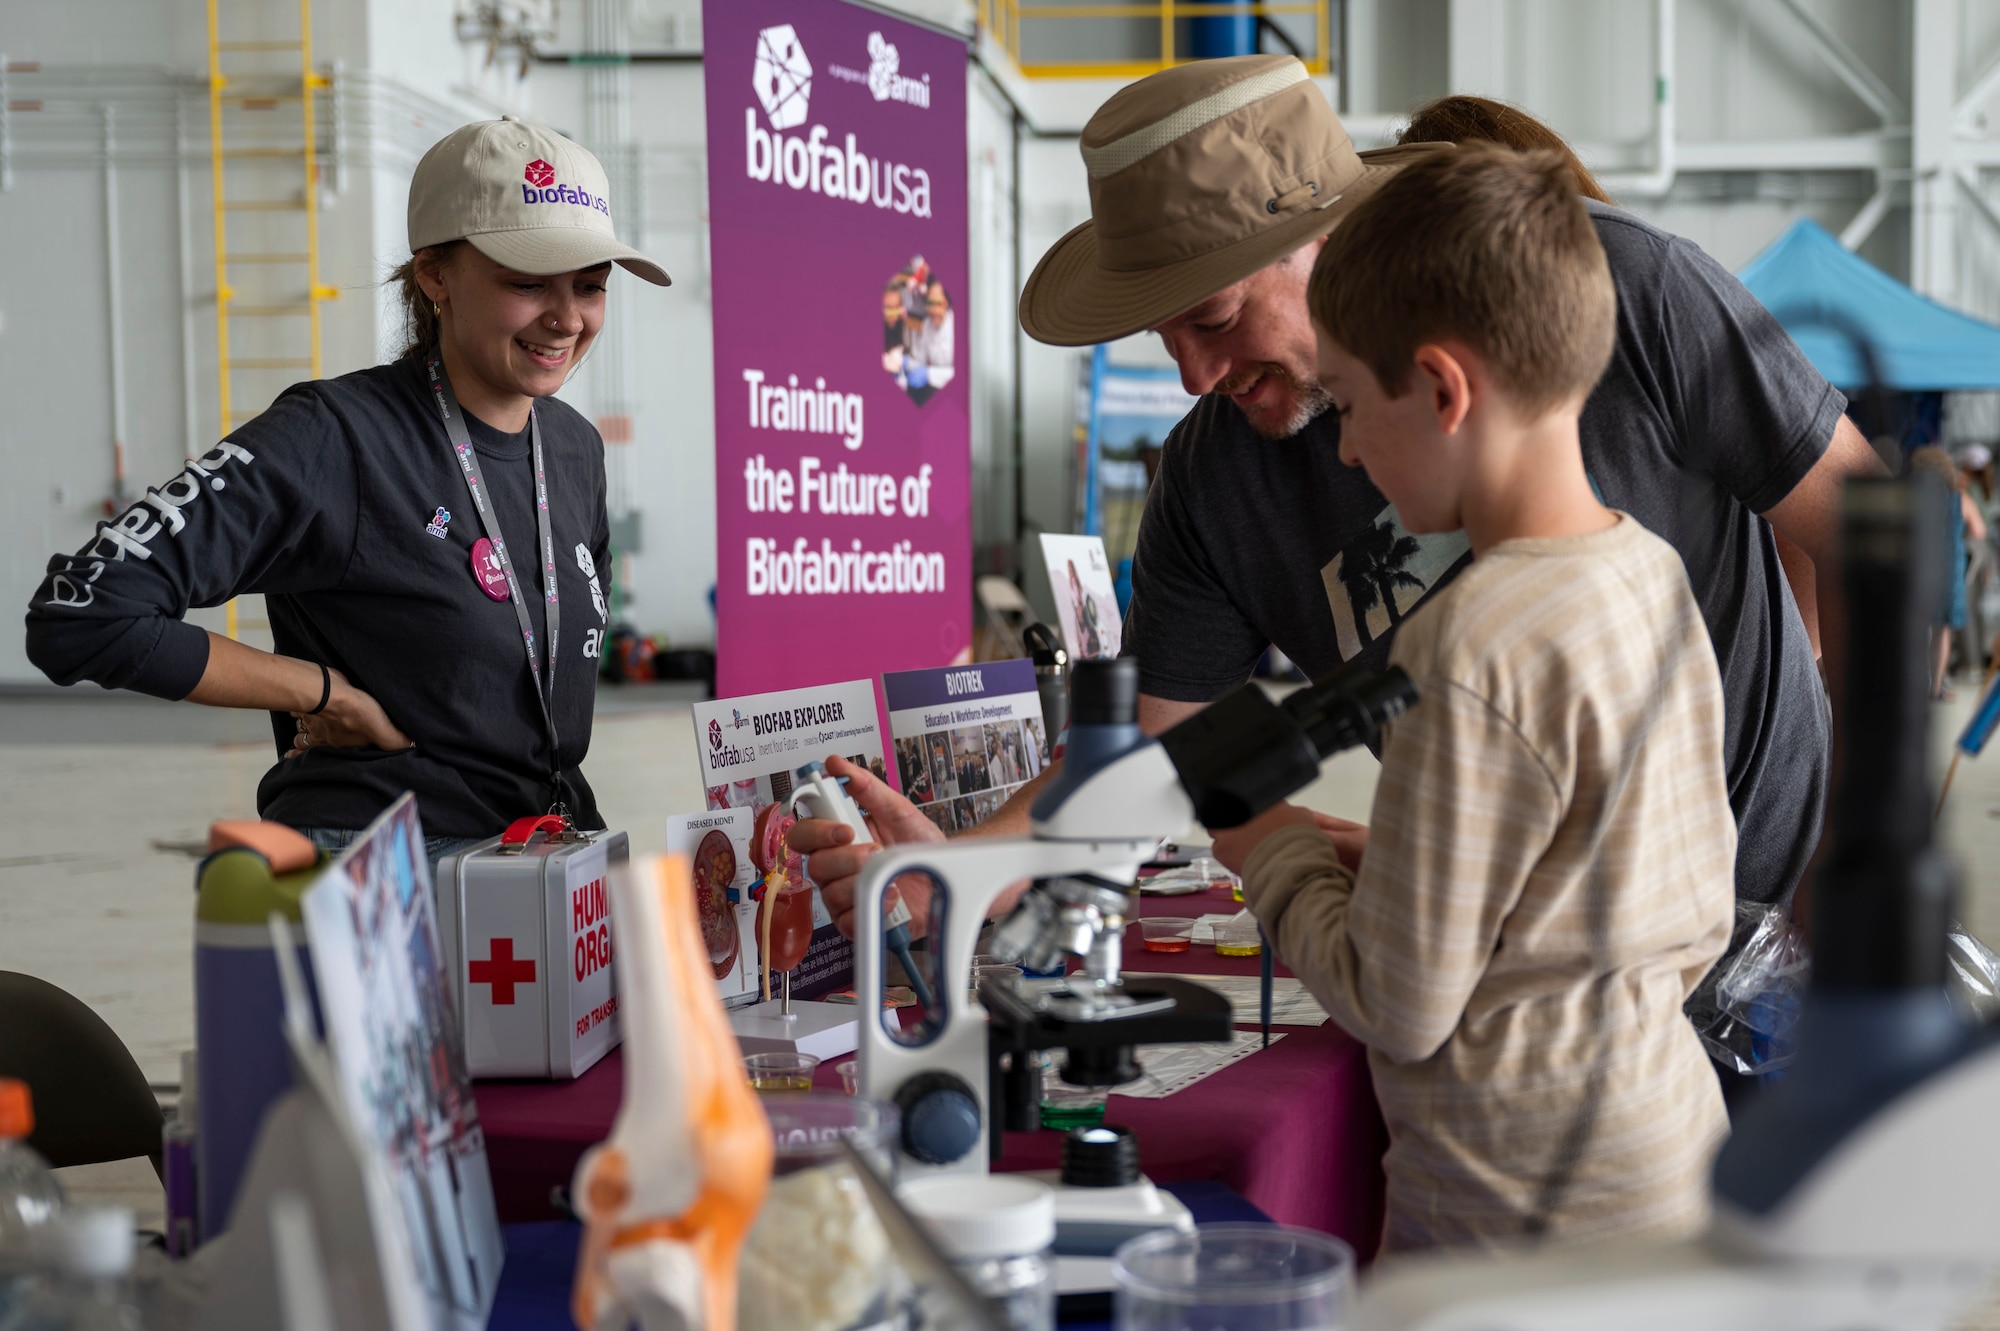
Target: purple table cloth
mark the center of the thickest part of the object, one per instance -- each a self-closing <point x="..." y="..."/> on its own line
<point x="1294" y="1129"/>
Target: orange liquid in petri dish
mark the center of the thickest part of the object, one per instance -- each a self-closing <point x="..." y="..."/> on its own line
<point x="1176" y="944"/>
<point x="791" y="928"/>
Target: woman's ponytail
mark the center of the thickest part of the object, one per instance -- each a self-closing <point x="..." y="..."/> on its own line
<point x="420" y="316"/>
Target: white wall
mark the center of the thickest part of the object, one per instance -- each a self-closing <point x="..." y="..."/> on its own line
<point x="1747" y="81"/>
<point x="1750" y="88"/>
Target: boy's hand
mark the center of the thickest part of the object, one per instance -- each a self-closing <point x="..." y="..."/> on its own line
<point x="1349" y="839"/>
<point x="1234" y="846"/>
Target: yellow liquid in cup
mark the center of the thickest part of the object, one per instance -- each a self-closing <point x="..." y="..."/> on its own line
<point x="1239" y="949"/>
<point x="778" y="1083"/>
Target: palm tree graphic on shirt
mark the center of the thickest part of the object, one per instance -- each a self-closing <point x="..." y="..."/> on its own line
<point x="1374" y="569"/>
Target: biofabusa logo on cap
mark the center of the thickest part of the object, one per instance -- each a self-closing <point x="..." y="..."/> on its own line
<point x="783" y="77"/>
<point x="542" y="188"/>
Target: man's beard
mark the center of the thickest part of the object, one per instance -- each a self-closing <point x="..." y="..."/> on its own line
<point x="1308" y="400"/>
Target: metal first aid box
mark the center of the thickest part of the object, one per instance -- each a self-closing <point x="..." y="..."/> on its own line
<point x="527" y="940"/>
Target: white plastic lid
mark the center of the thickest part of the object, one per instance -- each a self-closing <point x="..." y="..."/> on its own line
<point x="997" y="1215"/>
<point x="91" y="1242"/>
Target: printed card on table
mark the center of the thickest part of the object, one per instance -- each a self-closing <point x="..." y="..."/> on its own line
<point x="1086" y="602"/>
<point x="394" y="1037"/>
<point x="717" y="845"/>
<point x="749" y="749"/>
<point x="966" y="737"/>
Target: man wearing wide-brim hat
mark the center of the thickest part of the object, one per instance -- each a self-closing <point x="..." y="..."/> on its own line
<point x="1212" y="186"/>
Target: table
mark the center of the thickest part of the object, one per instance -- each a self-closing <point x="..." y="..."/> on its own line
<point x="541" y="1261"/>
<point x="1294" y="1128"/>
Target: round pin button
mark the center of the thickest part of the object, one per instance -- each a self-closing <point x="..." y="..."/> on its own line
<point x="486" y="569"/>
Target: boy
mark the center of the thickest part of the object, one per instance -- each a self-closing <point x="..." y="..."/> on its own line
<point x="1547" y="872"/>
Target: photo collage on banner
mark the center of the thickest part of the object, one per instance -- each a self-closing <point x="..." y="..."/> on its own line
<point x="751" y="746"/>
<point x="840" y="266"/>
<point x="966" y="737"/>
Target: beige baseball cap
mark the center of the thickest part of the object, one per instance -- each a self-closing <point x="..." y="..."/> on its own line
<point x="1199" y="176"/>
<point x="525" y="196"/>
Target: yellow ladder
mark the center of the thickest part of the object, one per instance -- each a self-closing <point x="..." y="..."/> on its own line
<point x="282" y="281"/>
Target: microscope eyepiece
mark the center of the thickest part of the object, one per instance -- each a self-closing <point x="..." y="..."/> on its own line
<point x="1241" y="755"/>
<point x="1104" y="693"/>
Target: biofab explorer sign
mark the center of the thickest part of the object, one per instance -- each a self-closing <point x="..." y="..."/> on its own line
<point x="838" y="234"/>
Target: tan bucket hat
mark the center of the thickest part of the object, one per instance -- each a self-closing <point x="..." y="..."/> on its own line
<point x="524" y="196"/>
<point x="1199" y="176"/>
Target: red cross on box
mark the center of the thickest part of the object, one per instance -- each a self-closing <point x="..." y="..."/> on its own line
<point x="503" y="972"/>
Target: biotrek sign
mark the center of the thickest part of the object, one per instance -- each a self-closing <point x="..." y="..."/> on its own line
<point x="811" y="160"/>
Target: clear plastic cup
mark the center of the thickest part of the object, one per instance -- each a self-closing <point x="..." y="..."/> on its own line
<point x="817" y="1256"/>
<point x="779" y="1073"/>
<point x="992" y="972"/>
<point x="1238" y="938"/>
<point x="1167" y="933"/>
<point x="1233" y="1278"/>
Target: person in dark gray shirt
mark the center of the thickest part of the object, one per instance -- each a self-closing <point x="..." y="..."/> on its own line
<point x="1212" y="187"/>
<point x="1707" y="416"/>
<point x="433" y="632"/>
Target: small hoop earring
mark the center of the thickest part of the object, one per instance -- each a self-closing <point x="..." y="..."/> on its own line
<point x="437" y="310"/>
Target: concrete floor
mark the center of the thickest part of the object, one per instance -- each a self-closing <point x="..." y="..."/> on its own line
<point x="109" y="798"/>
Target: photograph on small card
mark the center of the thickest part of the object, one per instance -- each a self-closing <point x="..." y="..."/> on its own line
<point x="1086" y="601"/>
<point x="394" y="1037"/>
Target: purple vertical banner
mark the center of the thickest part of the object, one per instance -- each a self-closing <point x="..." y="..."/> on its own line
<point x="837" y="225"/>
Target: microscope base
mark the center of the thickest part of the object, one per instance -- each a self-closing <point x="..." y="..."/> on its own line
<point x="824" y="1030"/>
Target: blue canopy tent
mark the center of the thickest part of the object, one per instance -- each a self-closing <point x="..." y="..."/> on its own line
<point x="1810" y="282"/>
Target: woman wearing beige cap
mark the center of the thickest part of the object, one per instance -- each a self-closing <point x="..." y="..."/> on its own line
<point x="429" y="533"/>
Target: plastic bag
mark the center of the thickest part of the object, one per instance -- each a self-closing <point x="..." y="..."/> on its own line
<point x="1746" y="1010"/>
<point x="1973" y="978"/>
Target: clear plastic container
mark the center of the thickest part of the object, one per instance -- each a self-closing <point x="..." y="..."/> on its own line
<point x="88" y="1253"/>
<point x="1167" y="933"/>
<point x="817" y="1258"/>
<point x="1064" y="1106"/>
<point x="780" y="1073"/>
<point x="1233" y="1278"/>
<point x="1238" y="938"/>
<point x="30" y="1198"/>
<point x="998" y="1229"/>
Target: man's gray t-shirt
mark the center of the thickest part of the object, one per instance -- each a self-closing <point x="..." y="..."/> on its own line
<point x="1707" y="416"/>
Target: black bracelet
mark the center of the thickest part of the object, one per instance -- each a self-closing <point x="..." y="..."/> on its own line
<point x="325" y="689"/>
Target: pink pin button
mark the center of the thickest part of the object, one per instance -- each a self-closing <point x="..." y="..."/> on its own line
<point x="486" y="568"/>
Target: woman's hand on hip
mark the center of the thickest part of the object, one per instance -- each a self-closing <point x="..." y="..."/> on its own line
<point x="351" y="719"/>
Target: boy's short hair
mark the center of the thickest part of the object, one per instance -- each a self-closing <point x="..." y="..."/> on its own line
<point x="1491" y="247"/>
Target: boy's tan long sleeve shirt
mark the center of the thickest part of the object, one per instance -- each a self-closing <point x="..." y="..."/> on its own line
<point x="1548" y="874"/>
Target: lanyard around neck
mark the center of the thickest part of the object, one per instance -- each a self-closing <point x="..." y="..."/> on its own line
<point x="475" y="484"/>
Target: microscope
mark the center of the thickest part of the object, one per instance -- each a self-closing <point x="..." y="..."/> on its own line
<point x="967" y="1070"/>
<point x="1858" y="1192"/>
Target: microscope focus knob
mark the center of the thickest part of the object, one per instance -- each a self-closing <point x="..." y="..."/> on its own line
<point x="941" y="1118"/>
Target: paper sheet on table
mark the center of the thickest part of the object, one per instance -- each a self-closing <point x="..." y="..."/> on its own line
<point x="1291" y="1005"/>
<point x="1175" y="1067"/>
<point x="1203" y="929"/>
